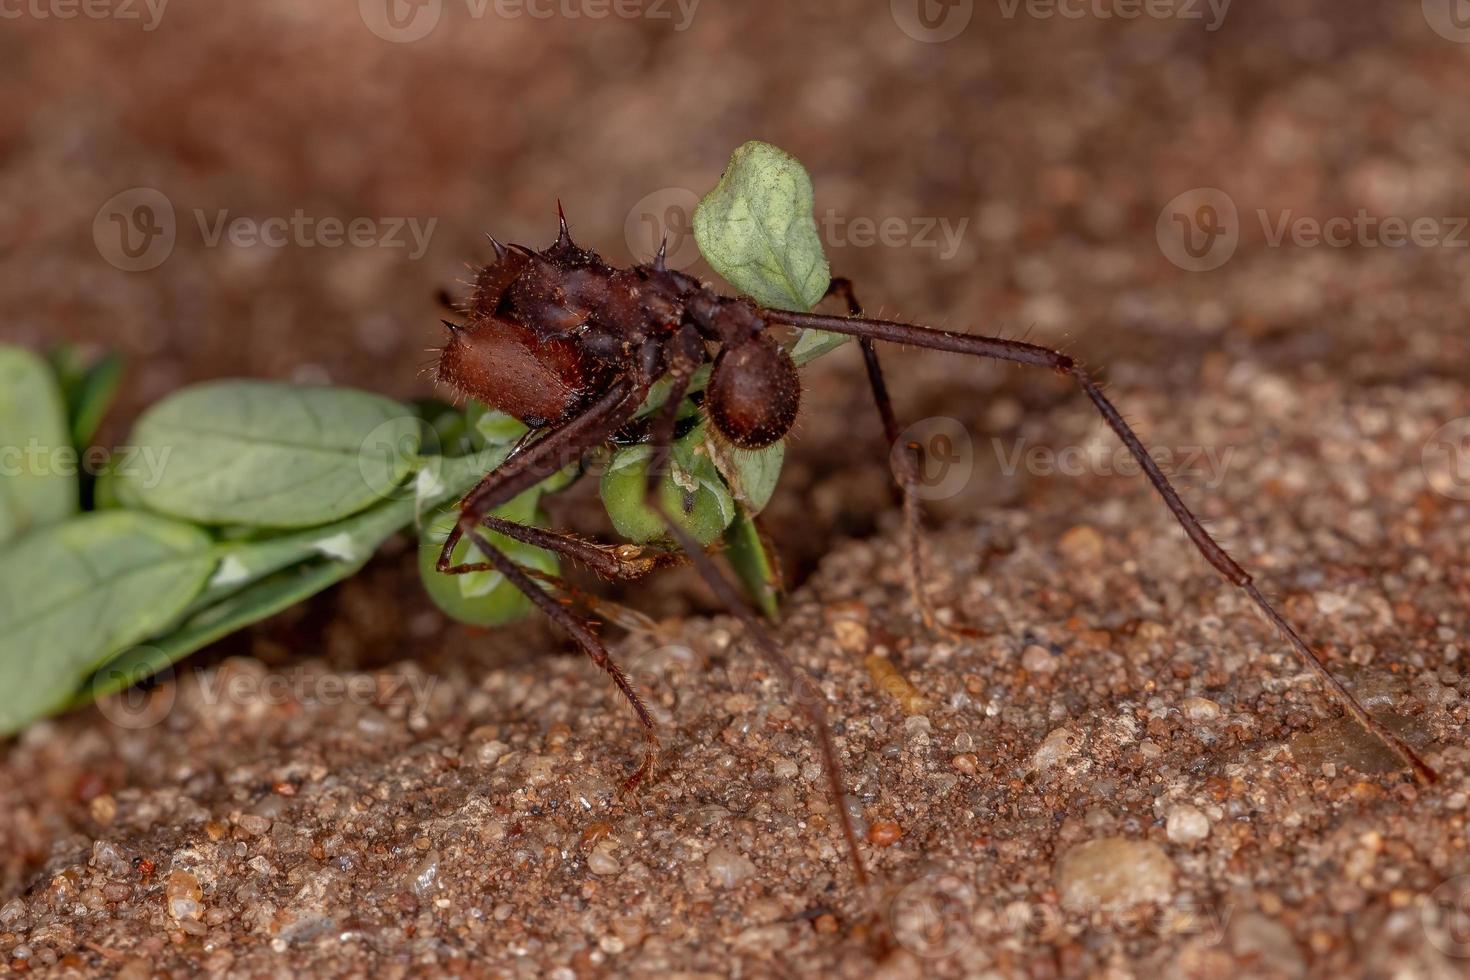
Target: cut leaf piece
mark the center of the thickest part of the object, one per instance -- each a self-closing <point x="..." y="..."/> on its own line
<point x="73" y="594"/>
<point x="265" y="454"/>
<point x="38" y="464"/>
<point x="293" y="566"/>
<point x="483" y="598"/>
<point x="755" y="563"/>
<point x="752" y="474"/>
<point x="88" y="388"/>
<point x="757" y="231"/>
<point x="692" y="492"/>
<point x="259" y="601"/>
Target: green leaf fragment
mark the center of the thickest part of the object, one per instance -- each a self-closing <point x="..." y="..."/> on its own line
<point x="38" y="463"/>
<point x="756" y="229"/>
<point x="73" y="594"/>
<point x="272" y="455"/>
<point x="692" y="491"/>
<point x="258" y="601"/>
<point x="754" y="563"/>
<point x="483" y="598"/>
<point x="256" y="579"/>
<point x="88" y="388"/>
<point x="751" y="474"/>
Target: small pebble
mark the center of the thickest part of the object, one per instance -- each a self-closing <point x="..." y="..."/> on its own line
<point x="424" y="878"/>
<point x="185" y="897"/>
<point x="1187" y="824"/>
<point x="884" y="833"/>
<point x="1200" y="709"/>
<point x="103" y="809"/>
<point x="1038" y="660"/>
<point x="600" y="860"/>
<point x="727" y="868"/>
<point x="851" y="635"/>
<point x="1255" y="938"/>
<point x="253" y="824"/>
<point x="1114" y="872"/>
<point x="1059" y="747"/>
<point x="1082" y="545"/>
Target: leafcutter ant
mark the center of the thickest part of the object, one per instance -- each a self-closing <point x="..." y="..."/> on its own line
<point x="571" y="346"/>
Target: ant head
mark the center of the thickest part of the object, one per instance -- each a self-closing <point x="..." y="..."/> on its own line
<point x="754" y="392"/>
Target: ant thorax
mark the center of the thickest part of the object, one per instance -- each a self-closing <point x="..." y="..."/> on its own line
<point x="550" y="331"/>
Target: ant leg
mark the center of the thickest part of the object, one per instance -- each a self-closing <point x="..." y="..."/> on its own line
<point x="1018" y="352"/>
<point x="904" y="461"/>
<point x="806" y="692"/>
<point x="807" y="695"/>
<point x="606" y="609"/>
<point x="581" y="632"/>
<point x="619" y="562"/>
<point x="542" y="458"/>
<point x="515" y="475"/>
<point x="686" y="353"/>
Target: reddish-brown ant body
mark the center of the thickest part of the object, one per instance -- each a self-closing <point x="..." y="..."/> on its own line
<point x="572" y="346"/>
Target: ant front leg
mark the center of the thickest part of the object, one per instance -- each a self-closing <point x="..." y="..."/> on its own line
<point x="905" y="461"/>
<point x="618" y="562"/>
<point x="537" y="462"/>
<point x="581" y="632"/>
<point x="1017" y="352"/>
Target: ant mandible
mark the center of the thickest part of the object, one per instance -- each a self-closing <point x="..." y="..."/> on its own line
<point x="571" y="346"/>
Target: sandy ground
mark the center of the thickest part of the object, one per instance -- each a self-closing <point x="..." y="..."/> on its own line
<point x="1128" y="772"/>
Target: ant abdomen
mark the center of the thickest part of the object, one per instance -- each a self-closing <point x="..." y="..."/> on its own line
<point x="507" y="367"/>
<point x="754" y="392"/>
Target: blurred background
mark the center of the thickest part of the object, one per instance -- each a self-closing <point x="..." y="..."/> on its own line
<point x="278" y="189"/>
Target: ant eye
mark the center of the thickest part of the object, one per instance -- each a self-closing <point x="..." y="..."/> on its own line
<point x="753" y="393"/>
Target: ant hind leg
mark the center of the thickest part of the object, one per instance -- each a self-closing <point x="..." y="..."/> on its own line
<point x="904" y="461"/>
<point x="582" y="634"/>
